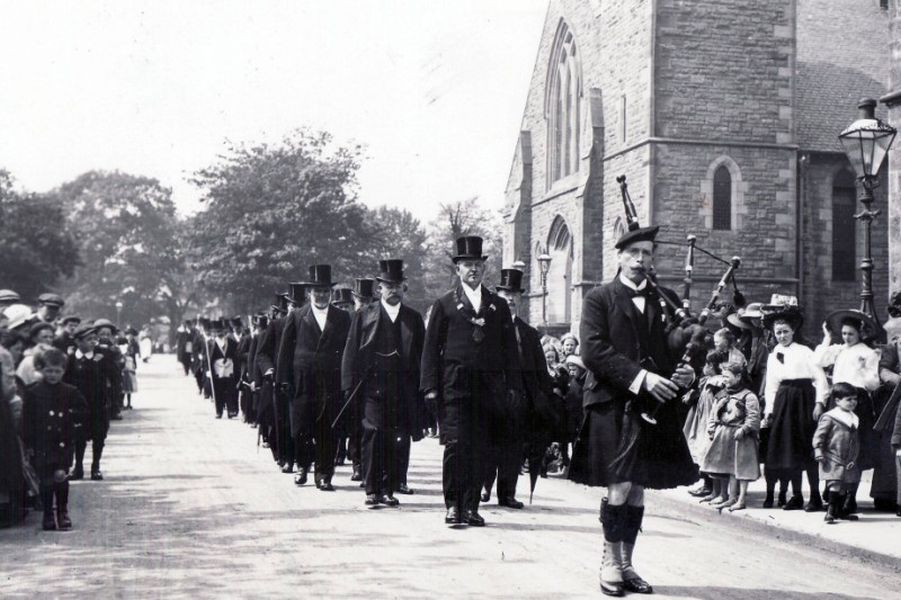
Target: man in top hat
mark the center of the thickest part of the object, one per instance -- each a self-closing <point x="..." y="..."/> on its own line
<point x="223" y="353"/>
<point x="505" y="452"/>
<point x="469" y="365"/>
<point x="625" y="349"/>
<point x="309" y="371"/>
<point x="381" y="365"/>
<point x="184" y="345"/>
<point x="49" y="306"/>
<point x="363" y="294"/>
<point x="199" y="356"/>
<point x="258" y="322"/>
<point x="8" y="298"/>
<point x="65" y="341"/>
<point x="273" y="411"/>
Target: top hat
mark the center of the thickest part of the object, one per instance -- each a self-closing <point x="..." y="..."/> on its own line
<point x="236" y="322"/>
<point x="392" y="270"/>
<point x="296" y="293"/>
<point x="511" y="280"/>
<point x="469" y="247"/>
<point x="205" y="323"/>
<point x="364" y="288"/>
<point x="320" y="276"/>
<point x="342" y="295"/>
<point x="218" y="324"/>
<point x="9" y="296"/>
<point x="51" y="300"/>
<point x="261" y="321"/>
<point x="641" y="234"/>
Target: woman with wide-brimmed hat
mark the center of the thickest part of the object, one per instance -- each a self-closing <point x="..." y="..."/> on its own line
<point x="795" y="385"/>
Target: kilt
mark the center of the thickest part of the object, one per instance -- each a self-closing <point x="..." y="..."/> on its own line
<point x="653" y="456"/>
<point x="790" y="444"/>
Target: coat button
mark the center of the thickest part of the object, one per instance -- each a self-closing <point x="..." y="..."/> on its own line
<point x="51" y="413"/>
<point x="62" y="444"/>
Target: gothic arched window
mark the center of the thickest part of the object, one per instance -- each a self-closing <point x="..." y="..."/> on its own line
<point x="844" y="227"/>
<point x="722" y="198"/>
<point x="562" y="110"/>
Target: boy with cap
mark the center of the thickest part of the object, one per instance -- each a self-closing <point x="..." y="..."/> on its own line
<point x="49" y="307"/>
<point x="94" y="374"/>
<point x="64" y="342"/>
<point x="53" y="413"/>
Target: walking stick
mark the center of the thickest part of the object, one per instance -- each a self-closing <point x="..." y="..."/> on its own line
<point x="351" y="396"/>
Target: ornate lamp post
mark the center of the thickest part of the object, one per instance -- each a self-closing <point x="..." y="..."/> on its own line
<point x="119" y="314"/>
<point x="866" y="142"/>
<point x="544" y="265"/>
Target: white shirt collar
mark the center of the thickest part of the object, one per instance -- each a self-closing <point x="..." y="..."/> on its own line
<point x="80" y="354"/>
<point x="848" y="418"/>
<point x="631" y="284"/>
<point x="474" y="295"/>
<point x="321" y="315"/>
<point x="392" y="311"/>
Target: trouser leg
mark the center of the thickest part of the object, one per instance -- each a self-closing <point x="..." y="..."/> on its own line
<point x="508" y="469"/>
<point x="326" y="448"/>
<point x="372" y="460"/>
<point x="96" y="453"/>
<point x="80" y="447"/>
<point x="402" y="459"/>
<point x="491" y="461"/>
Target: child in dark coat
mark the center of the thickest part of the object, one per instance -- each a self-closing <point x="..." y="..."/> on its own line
<point x="53" y="412"/>
<point x="836" y="445"/>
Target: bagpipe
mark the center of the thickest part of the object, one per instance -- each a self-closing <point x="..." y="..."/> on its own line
<point x="685" y="333"/>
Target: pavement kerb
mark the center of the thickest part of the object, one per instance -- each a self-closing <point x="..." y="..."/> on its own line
<point x="745" y="522"/>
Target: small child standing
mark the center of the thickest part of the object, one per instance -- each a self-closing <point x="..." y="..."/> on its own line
<point x="695" y="428"/>
<point x="836" y="444"/>
<point x="733" y="428"/>
<point x="53" y="412"/>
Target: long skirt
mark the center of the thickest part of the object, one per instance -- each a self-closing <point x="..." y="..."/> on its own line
<point x="790" y="444"/>
<point x="695" y="428"/>
<point x="616" y="445"/>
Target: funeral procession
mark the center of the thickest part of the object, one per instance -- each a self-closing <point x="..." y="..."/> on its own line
<point x="496" y="299"/>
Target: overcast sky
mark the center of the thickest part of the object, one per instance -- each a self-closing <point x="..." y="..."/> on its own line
<point x="434" y="89"/>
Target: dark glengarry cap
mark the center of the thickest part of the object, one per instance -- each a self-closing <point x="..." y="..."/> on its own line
<point x="391" y="270"/>
<point x="364" y="288"/>
<point x="51" y="300"/>
<point x="642" y="234"/>
<point x="511" y="280"/>
<point x="84" y="331"/>
<point x="342" y="295"/>
<point x="469" y="247"/>
<point x="320" y="276"/>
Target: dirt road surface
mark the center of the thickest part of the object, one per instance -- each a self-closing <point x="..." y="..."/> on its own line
<point x="192" y="508"/>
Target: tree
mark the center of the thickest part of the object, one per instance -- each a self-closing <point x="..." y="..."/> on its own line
<point x="271" y="211"/>
<point x="131" y="246"/>
<point x="37" y="247"/>
<point x="464" y="217"/>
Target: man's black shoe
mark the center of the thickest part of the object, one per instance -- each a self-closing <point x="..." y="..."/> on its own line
<point x="485" y="497"/>
<point x="289" y="468"/>
<point x="389" y="500"/>
<point x="219" y="415"/>
<point x="510" y="503"/>
<point x="326" y="486"/>
<point x="403" y="489"/>
<point x="96" y="475"/>
<point x="300" y="478"/>
<point x="794" y="503"/>
<point x="453" y="516"/>
<point x="474" y="518"/>
<point x="637" y="585"/>
<point x="357" y="476"/>
<point x="371" y="500"/>
<point x="77" y="474"/>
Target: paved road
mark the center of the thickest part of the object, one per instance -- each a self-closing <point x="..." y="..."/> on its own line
<point x="191" y="508"/>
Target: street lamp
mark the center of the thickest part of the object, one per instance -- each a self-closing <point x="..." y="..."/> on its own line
<point x="544" y="265"/>
<point x="119" y="314"/>
<point x="866" y="142"/>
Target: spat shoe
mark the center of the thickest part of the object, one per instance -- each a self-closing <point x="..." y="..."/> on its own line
<point x="371" y="500"/>
<point x="96" y="475"/>
<point x="794" y="503"/>
<point x="453" y="516"/>
<point x="326" y="486"/>
<point x="300" y="478"/>
<point x="389" y="500"/>
<point x="510" y="503"/>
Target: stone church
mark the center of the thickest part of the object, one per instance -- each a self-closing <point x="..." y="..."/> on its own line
<point x="724" y="116"/>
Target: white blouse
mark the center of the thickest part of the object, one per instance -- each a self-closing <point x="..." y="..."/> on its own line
<point x="797" y="362"/>
<point x="857" y="364"/>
